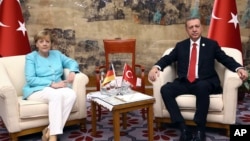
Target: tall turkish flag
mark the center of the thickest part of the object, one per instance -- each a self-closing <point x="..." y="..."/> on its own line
<point x="224" y="25"/>
<point x="13" y="34"/>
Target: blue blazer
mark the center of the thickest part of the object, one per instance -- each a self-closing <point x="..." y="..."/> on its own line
<point x="209" y="51"/>
<point x="40" y="72"/>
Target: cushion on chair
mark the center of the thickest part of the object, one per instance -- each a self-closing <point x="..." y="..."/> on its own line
<point x="31" y="108"/>
<point x="188" y="102"/>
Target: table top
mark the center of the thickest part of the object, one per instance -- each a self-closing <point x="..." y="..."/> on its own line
<point x="113" y="101"/>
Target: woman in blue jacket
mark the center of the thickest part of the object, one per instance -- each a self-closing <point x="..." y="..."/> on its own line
<point x="43" y="72"/>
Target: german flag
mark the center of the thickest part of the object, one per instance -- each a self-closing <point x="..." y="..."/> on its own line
<point x="109" y="76"/>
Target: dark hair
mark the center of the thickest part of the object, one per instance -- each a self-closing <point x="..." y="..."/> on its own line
<point x="191" y="18"/>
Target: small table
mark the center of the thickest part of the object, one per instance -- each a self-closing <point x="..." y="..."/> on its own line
<point x="121" y="105"/>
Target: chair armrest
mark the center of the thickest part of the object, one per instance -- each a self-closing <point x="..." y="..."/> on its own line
<point x="142" y="68"/>
<point x="157" y="95"/>
<point x="79" y="86"/>
<point x="230" y="95"/>
<point x="8" y="101"/>
<point x="167" y="75"/>
<point x="142" y="74"/>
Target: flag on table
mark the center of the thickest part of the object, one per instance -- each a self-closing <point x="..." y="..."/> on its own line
<point x="224" y="25"/>
<point x="13" y="34"/>
<point x="109" y="76"/>
<point x="129" y="75"/>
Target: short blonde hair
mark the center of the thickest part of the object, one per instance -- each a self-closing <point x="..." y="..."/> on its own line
<point x="42" y="34"/>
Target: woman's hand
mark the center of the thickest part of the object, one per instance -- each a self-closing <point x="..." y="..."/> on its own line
<point x="60" y="84"/>
<point x="65" y="83"/>
<point x="71" y="77"/>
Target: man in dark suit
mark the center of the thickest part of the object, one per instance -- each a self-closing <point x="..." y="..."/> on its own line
<point x="205" y="80"/>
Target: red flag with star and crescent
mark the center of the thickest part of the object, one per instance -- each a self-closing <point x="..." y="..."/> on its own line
<point x="13" y="34"/>
<point x="224" y="25"/>
<point x="129" y="75"/>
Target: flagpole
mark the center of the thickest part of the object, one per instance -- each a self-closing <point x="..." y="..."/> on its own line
<point x="113" y="68"/>
<point x="123" y="72"/>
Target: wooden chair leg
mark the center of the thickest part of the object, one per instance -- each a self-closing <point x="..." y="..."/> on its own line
<point x="99" y="110"/>
<point x="228" y="132"/>
<point x="124" y="120"/>
<point x="158" y="124"/>
<point x="83" y="125"/>
<point x="13" y="137"/>
<point x="143" y="112"/>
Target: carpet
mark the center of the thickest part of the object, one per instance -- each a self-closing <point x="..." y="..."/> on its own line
<point x="136" y="128"/>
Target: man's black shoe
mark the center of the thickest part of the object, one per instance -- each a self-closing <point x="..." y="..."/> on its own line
<point x="186" y="135"/>
<point x="199" y="136"/>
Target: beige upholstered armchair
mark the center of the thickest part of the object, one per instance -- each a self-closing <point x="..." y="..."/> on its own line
<point x="222" y="110"/>
<point x="22" y="117"/>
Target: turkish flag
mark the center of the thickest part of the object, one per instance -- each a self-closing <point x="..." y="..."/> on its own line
<point x="224" y="25"/>
<point x="13" y="34"/>
<point x="129" y="75"/>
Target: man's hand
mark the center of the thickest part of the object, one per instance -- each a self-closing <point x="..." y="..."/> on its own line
<point x="153" y="74"/>
<point x="243" y="74"/>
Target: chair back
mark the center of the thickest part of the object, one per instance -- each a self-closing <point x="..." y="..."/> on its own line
<point x="220" y="69"/>
<point x="122" y="48"/>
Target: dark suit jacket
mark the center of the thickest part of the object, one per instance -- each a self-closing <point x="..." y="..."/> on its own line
<point x="209" y="51"/>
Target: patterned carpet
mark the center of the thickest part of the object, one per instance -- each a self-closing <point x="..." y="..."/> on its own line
<point x="136" y="129"/>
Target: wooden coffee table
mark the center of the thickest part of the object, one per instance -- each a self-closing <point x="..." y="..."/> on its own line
<point x="121" y="106"/>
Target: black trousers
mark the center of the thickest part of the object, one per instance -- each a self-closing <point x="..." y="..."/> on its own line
<point x="200" y="88"/>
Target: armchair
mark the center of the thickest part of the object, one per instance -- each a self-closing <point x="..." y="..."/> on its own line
<point x="23" y="117"/>
<point x="222" y="110"/>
